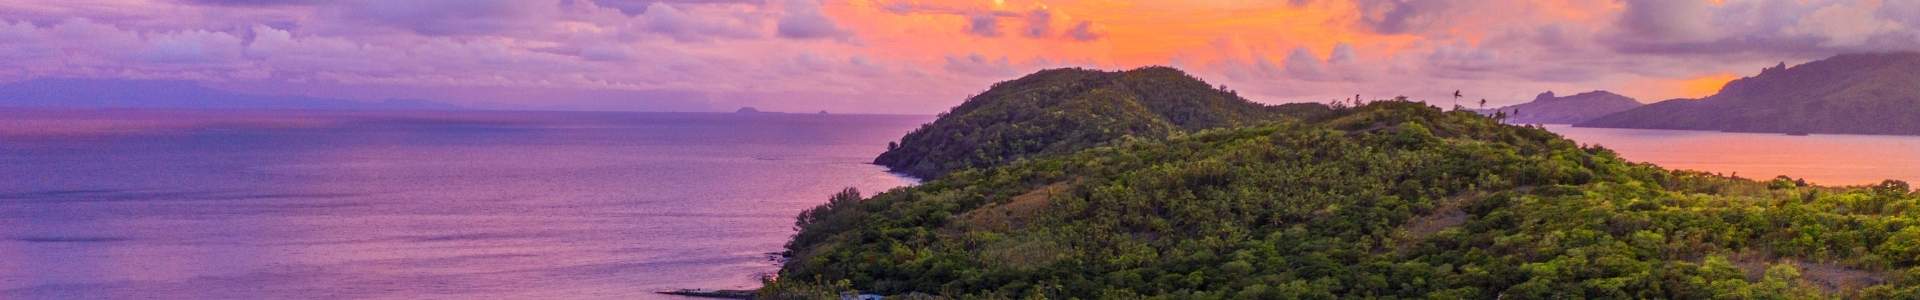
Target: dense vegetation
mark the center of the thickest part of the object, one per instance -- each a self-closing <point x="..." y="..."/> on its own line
<point x="1389" y="200"/>
<point x="1065" y="110"/>
<point x="1833" y="95"/>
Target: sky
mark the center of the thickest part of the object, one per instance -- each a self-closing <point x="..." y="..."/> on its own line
<point x="924" y="56"/>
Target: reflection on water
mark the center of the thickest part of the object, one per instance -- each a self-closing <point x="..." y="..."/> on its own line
<point x="145" y="204"/>
<point x="1820" y="158"/>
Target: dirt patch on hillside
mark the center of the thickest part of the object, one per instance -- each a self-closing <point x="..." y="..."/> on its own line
<point x="1015" y="213"/>
<point x="1447" y="214"/>
<point x="1444" y="217"/>
<point x="1831" y="278"/>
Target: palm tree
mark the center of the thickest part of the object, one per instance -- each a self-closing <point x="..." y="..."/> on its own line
<point x="1456" y="99"/>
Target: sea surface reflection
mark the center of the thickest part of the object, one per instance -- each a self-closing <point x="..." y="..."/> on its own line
<point x="1822" y="158"/>
<point x="408" y="205"/>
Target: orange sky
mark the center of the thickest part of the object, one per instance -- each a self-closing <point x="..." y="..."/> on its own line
<point x="1212" y="37"/>
<point x="923" y="56"/>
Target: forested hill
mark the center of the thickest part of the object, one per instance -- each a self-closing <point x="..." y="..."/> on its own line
<point x="1064" y="110"/>
<point x="1876" y="93"/>
<point x="1389" y="200"/>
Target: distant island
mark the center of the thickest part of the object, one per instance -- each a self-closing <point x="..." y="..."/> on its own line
<point x="1150" y="184"/>
<point x="1874" y="93"/>
<point x="128" y="93"/>
<point x="747" y="110"/>
<point x="1549" y="109"/>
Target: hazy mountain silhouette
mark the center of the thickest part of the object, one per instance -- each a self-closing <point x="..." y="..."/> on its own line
<point x="1875" y="93"/>
<point x="126" y="93"/>
<point x="1548" y="109"/>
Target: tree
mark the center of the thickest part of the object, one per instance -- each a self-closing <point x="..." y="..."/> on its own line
<point x="1893" y="188"/>
<point x="1456" y="99"/>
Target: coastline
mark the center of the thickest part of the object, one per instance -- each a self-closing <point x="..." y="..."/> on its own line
<point x="777" y="257"/>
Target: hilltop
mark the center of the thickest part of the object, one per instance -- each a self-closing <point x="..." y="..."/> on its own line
<point x="1392" y="199"/>
<point x="1064" y="110"/>
<point x="1549" y="109"/>
<point x="1875" y="93"/>
<point x="127" y="93"/>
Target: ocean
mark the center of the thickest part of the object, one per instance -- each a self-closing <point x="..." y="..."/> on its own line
<point x="1825" y="159"/>
<point x="523" y="205"/>
<point x="412" y="205"/>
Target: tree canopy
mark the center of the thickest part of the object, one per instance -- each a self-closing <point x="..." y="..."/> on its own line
<point x="1392" y="199"/>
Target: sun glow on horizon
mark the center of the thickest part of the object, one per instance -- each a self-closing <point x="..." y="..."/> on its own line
<point x="1703" y="86"/>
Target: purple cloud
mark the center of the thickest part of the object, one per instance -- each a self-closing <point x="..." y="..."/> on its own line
<point x="665" y="19"/>
<point x="1399" y="16"/>
<point x="1803" y="29"/>
<point x="1039" y="23"/>
<point x="804" y="20"/>
<point x="979" y="65"/>
<point x="984" y="24"/>
<point x="1083" y="32"/>
<point x="253" y="2"/>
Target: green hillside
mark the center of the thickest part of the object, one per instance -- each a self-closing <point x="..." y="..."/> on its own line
<point x="1064" y="110"/>
<point x="1875" y="93"/>
<point x="1389" y="200"/>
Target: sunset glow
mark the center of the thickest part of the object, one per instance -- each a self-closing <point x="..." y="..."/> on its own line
<point x="922" y="56"/>
<point x="1704" y="85"/>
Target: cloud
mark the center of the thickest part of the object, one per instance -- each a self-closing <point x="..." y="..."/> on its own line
<point x="665" y="19"/>
<point x="253" y="2"/>
<point x="805" y="21"/>
<point x="918" y="54"/>
<point x="984" y="24"/>
<point x="449" y="17"/>
<point x="1039" y="23"/>
<point x="638" y="6"/>
<point x="1462" y="61"/>
<point x="1762" y="27"/>
<point x="1399" y="16"/>
<point x="1666" y="20"/>
<point x="189" y="47"/>
<point x="1302" y="64"/>
<point x="1084" y="31"/>
<point x="1846" y="24"/>
<point x="975" y="64"/>
<point x="1343" y="53"/>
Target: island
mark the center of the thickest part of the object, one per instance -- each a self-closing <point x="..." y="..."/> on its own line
<point x="1147" y="184"/>
<point x="1549" y="109"/>
<point x="1834" y="95"/>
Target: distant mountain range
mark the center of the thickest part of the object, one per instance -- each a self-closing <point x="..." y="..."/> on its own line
<point x="124" y="93"/>
<point x="1548" y="109"/>
<point x="1875" y="93"/>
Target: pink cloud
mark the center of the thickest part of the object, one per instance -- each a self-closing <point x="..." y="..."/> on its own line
<point x="922" y="56"/>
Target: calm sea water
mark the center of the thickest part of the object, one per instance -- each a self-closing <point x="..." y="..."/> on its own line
<point x="526" y="205"/>
<point x="1821" y="158"/>
<point x="205" y="204"/>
